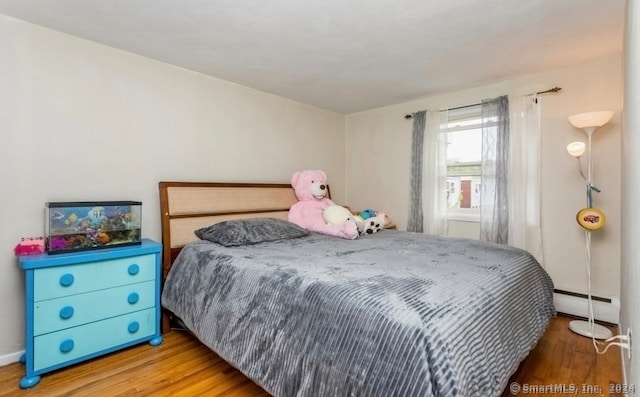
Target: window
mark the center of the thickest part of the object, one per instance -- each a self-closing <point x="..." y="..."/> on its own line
<point x="464" y="163"/>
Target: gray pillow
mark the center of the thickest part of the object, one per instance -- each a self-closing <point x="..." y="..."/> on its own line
<point x="250" y="231"/>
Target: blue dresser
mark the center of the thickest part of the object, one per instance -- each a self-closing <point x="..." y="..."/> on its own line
<point x="86" y="304"/>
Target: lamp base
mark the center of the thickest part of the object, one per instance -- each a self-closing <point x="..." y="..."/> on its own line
<point x="584" y="328"/>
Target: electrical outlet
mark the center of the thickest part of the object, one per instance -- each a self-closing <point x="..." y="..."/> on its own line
<point x="624" y="341"/>
<point x="629" y="343"/>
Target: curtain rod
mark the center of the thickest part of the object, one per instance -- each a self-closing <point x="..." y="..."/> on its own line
<point x="554" y="89"/>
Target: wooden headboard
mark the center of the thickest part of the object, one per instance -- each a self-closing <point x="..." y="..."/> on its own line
<point x="187" y="206"/>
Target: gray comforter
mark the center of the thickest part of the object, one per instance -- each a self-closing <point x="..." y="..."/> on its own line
<point x="388" y="314"/>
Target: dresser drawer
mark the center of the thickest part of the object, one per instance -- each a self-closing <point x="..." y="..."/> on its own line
<point x="76" y="343"/>
<point x="71" y="311"/>
<point x="61" y="281"/>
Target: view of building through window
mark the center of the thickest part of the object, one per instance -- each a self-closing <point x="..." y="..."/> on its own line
<point x="464" y="153"/>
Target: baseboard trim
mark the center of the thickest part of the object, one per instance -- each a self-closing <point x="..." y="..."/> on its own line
<point x="10" y="358"/>
<point x="604" y="309"/>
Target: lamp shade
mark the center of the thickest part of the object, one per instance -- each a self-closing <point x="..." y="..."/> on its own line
<point x="591" y="119"/>
<point x="576" y="149"/>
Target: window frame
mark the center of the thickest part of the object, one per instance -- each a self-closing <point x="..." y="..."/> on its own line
<point x="456" y="122"/>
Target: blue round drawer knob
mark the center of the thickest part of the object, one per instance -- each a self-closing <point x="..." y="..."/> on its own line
<point x="133" y="298"/>
<point x="66" y="279"/>
<point x="133" y="327"/>
<point x="133" y="269"/>
<point x="66" y="312"/>
<point x="66" y="346"/>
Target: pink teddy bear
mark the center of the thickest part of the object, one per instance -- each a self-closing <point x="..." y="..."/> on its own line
<point x="311" y="188"/>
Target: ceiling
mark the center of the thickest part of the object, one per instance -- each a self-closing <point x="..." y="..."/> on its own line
<point x="345" y="55"/>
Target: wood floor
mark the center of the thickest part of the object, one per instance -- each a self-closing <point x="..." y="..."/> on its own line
<point x="181" y="366"/>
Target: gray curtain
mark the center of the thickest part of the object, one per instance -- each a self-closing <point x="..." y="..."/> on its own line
<point x="415" y="223"/>
<point x="494" y="208"/>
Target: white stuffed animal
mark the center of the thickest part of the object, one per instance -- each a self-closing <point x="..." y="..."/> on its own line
<point x="372" y="225"/>
<point x="337" y="215"/>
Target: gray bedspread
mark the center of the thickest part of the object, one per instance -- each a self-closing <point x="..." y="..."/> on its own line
<point x="388" y="314"/>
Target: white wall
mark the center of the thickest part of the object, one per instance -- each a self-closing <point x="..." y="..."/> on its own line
<point x="630" y="268"/>
<point x="81" y="121"/>
<point x="378" y="164"/>
<point x="463" y="229"/>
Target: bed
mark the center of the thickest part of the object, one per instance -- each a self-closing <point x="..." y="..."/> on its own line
<point x="303" y="314"/>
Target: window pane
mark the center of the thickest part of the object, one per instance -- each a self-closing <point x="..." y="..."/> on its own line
<point x="464" y="157"/>
<point x="464" y="146"/>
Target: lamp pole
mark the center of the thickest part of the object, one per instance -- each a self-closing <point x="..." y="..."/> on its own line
<point x="589" y="122"/>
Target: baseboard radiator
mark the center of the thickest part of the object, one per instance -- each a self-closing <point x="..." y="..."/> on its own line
<point x="604" y="309"/>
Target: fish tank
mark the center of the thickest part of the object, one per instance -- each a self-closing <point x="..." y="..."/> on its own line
<point x="87" y="225"/>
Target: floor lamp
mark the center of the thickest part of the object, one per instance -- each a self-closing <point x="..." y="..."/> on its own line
<point x="590" y="218"/>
